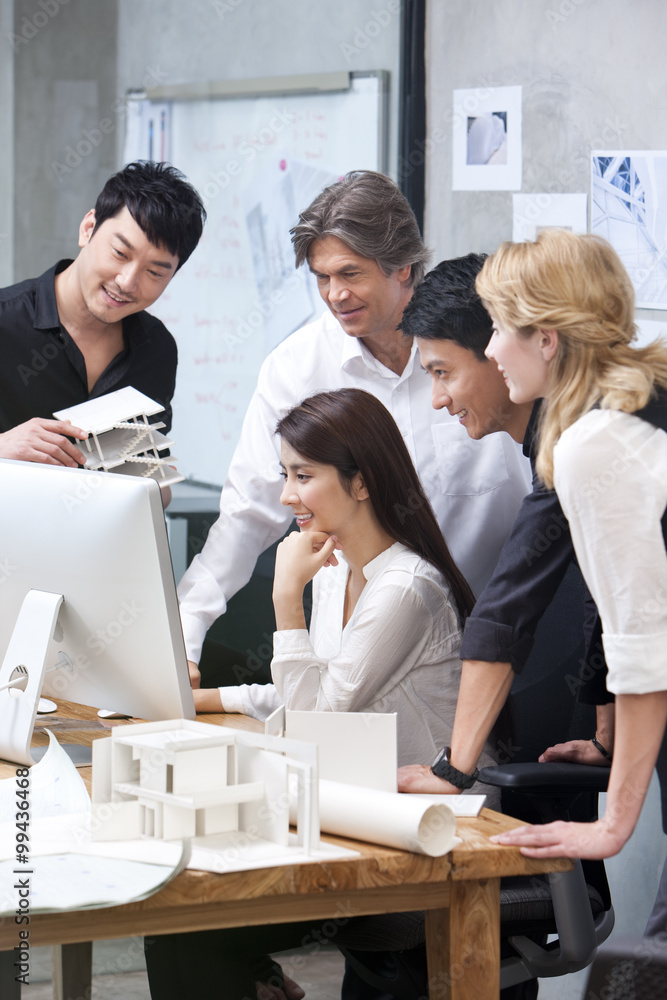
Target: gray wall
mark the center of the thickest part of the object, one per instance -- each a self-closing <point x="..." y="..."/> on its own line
<point x="6" y="145"/>
<point x="65" y="86"/>
<point x="236" y="39"/>
<point x="592" y="78"/>
<point x="76" y="59"/>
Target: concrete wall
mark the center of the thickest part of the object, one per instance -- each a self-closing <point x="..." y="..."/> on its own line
<point x="65" y="86"/>
<point x="236" y="39"/>
<point x="593" y="74"/>
<point x="6" y="145"/>
<point x="76" y="59"/>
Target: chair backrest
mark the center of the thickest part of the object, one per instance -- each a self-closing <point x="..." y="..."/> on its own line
<point x="629" y="968"/>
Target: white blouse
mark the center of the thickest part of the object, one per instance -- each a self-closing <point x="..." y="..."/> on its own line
<point x="399" y="652"/>
<point x="610" y="472"/>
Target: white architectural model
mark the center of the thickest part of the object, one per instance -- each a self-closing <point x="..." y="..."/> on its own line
<point x="234" y="793"/>
<point x="224" y="788"/>
<point x="120" y="437"/>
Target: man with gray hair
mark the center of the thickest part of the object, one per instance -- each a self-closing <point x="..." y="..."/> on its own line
<point x="361" y="241"/>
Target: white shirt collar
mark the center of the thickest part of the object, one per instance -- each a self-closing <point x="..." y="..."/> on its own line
<point x="353" y="348"/>
<point x="376" y="565"/>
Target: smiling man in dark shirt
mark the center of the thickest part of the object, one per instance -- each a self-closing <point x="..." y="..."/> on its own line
<point x="452" y="328"/>
<point x="80" y="330"/>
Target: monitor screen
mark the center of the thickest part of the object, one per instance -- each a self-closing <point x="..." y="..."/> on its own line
<point x="100" y="540"/>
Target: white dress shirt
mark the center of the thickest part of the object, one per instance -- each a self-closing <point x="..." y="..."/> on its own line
<point x="610" y="472"/>
<point x="399" y="652"/>
<point x="475" y="487"/>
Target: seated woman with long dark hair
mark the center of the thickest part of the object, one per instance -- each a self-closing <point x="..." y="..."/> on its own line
<point x="387" y="616"/>
<point x="388" y="609"/>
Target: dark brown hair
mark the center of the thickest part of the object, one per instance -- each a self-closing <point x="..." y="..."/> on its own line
<point x="351" y="430"/>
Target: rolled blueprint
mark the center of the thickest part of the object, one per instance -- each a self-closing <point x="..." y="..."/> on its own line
<point x="402" y="821"/>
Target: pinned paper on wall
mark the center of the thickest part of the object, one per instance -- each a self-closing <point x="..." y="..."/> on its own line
<point x="628" y="208"/>
<point x="544" y="210"/>
<point x="487" y="143"/>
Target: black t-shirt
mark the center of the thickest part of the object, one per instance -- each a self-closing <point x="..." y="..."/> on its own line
<point x="43" y="370"/>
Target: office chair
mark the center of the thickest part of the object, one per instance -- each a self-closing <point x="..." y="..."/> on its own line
<point x="576" y="906"/>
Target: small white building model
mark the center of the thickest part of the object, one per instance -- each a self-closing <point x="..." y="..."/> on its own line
<point x="223" y="788"/>
<point x="121" y="439"/>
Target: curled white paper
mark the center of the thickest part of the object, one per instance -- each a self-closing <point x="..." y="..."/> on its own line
<point x="388" y="818"/>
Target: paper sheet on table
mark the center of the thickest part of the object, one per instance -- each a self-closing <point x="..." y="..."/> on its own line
<point x="55" y="789"/>
<point x="402" y="821"/>
<point x="67" y="872"/>
<point x="222" y="853"/>
<point x="461" y="805"/>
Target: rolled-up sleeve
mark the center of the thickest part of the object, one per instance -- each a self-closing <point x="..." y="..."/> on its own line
<point x="610" y="472"/>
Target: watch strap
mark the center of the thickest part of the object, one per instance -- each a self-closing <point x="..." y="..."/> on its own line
<point x="601" y="749"/>
<point x="443" y="769"/>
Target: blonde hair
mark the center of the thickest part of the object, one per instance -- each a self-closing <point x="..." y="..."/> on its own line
<point x="578" y="286"/>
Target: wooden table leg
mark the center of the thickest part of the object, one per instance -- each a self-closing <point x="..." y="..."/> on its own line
<point x="72" y="971"/>
<point x="463" y="943"/>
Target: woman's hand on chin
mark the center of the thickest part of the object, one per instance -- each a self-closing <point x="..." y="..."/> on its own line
<point x="301" y="555"/>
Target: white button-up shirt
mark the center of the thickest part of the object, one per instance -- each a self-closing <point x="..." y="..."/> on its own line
<point x="610" y="472"/>
<point x="475" y="487"/>
<point x="399" y="652"/>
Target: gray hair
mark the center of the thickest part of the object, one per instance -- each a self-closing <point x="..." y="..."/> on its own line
<point x="368" y="212"/>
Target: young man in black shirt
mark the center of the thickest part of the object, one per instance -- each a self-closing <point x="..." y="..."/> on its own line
<point x="452" y="329"/>
<point x="80" y="330"/>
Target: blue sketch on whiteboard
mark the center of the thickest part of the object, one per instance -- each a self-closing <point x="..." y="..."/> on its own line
<point x="286" y="297"/>
<point x="628" y="209"/>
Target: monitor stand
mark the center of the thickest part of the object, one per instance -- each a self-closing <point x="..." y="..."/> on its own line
<point x="23" y="668"/>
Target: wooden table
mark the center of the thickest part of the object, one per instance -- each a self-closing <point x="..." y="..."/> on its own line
<point x="460" y="893"/>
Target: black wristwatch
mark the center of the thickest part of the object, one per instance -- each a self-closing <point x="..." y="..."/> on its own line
<point x="443" y="769"/>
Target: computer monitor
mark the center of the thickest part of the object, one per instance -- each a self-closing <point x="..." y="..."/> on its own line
<point x="115" y="640"/>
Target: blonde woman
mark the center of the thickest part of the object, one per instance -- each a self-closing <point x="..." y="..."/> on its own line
<point x="563" y="310"/>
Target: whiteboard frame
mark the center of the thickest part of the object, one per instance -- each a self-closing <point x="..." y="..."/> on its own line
<point x="306" y="83"/>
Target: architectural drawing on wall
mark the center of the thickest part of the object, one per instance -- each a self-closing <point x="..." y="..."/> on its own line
<point x="121" y="438"/>
<point x="487" y="144"/>
<point x="286" y="298"/>
<point x="629" y="208"/>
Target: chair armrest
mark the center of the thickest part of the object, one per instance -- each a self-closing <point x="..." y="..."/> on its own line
<point x="553" y="776"/>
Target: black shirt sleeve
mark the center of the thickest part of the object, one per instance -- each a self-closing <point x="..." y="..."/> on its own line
<point x="532" y="564"/>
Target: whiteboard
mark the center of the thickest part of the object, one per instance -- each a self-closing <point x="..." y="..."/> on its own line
<point x="256" y="162"/>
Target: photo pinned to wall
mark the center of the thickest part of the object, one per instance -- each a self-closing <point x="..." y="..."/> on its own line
<point x="534" y="212"/>
<point x="629" y="208"/>
<point x="487" y="145"/>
